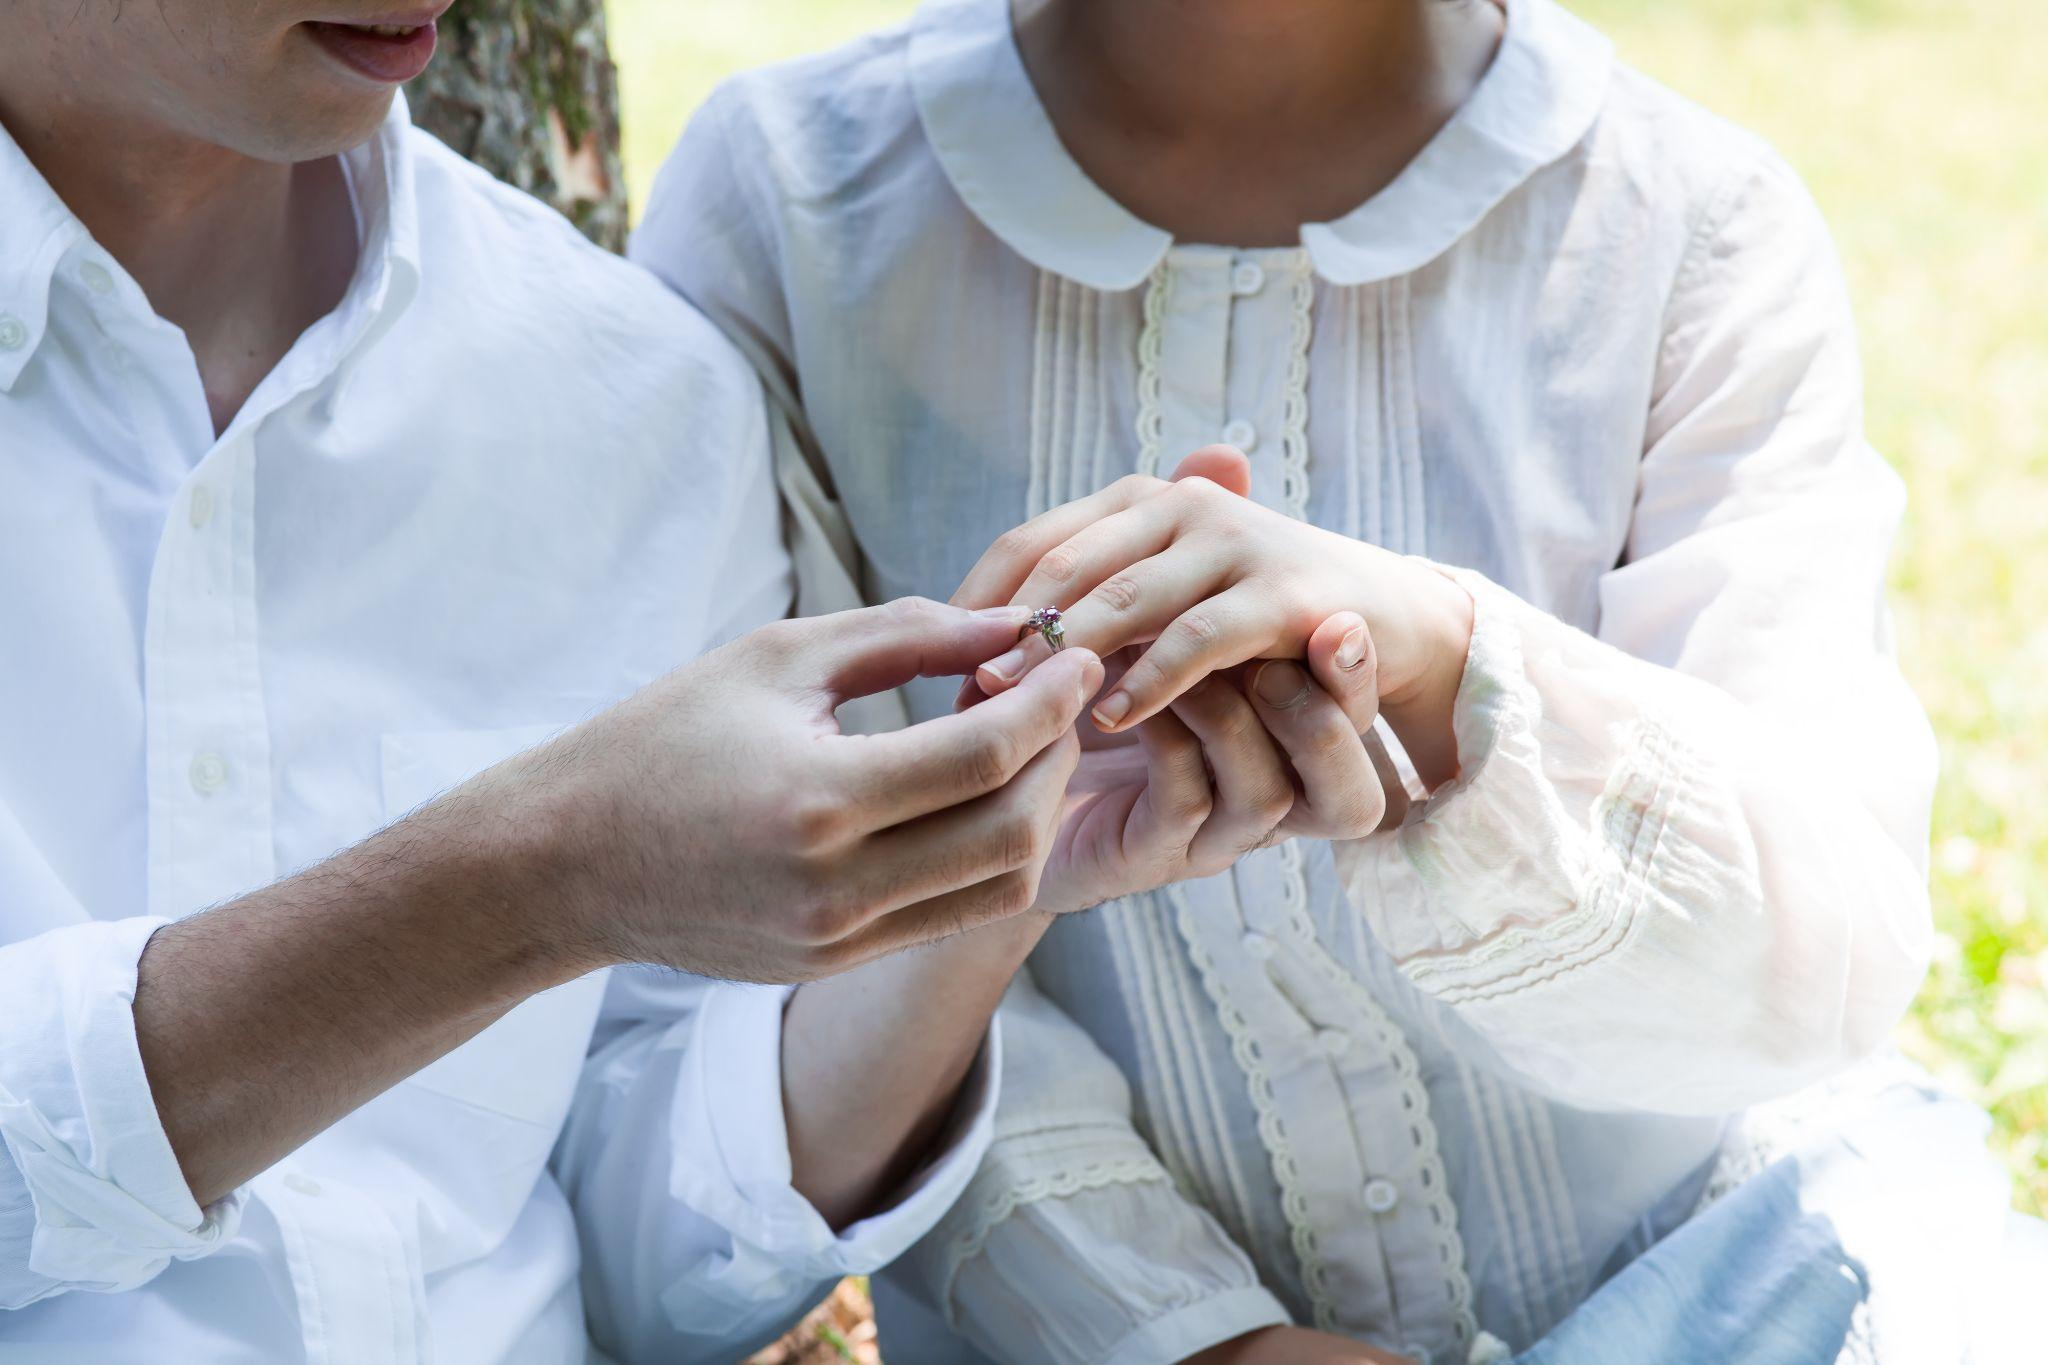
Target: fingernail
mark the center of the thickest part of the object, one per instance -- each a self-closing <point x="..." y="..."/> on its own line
<point x="1091" y="679"/>
<point x="1007" y="667"/>
<point x="1280" y="684"/>
<point x="1351" y="649"/>
<point x="1016" y="614"/>
<point x="1112" y="709"/>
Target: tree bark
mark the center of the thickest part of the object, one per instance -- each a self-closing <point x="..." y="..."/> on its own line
<point x="527" y="90"/>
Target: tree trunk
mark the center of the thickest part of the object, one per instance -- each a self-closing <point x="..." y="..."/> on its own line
<point x="527" y="90"/>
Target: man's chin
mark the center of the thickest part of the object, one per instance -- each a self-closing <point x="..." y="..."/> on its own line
<point x="319" y="127"/>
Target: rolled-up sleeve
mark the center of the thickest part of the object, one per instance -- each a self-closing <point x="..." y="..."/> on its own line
<point x="1699" y="831"/>
<point x="91" y="1194"/>
<point x="696" y="1245"/>
<point x="1037" y="1263"/>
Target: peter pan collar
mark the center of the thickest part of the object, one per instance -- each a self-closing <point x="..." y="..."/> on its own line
<point x="999" y="149"/>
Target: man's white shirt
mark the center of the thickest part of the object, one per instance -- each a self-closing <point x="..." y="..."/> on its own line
<point x="507" y="481"/>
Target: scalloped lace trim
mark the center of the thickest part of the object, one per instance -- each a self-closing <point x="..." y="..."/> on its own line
<point x="1272" y="1129"/>
<point x="997" y="1205"/>
<point x="1150" y="424"/>
<point x="1294" y="408"/>
<point x="1414" y="1097"/>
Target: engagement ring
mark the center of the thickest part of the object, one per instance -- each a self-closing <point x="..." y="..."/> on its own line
<point x="1046" y="621"/>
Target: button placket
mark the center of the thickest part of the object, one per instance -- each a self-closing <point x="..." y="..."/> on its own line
<point x="210" y="831"/>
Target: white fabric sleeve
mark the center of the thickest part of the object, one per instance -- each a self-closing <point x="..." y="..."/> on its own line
<point x="1682" y="868"/>
<point x="675" y="1159"/>
<point x="1037" y="1262"/>
<point x="91" y="1194"/>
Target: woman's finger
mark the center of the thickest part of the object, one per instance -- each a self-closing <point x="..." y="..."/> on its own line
<point x="1340" y="792"/>
<point x="1216" y="633"/>
<point x="1342" y="659"/>
<point x="1128" y="609"/>
<point x="1002" y="568"/>
<point x="1070" y="569"/>
<point x="1253" y="789"/>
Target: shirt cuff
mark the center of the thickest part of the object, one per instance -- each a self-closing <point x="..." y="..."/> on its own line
<point x="1517" y="864"/>
<point x="733" y="1166"/>
<point x="1209" y="1322"/>
<point x="112" y="1208"/>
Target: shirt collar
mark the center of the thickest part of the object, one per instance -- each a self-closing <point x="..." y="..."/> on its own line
<point x="37" y="231"/>
<point x="1000" y="151"/>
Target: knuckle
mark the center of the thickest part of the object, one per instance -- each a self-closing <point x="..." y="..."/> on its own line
<point x="1132" y="487"/>
<point x="988" y="762"/>
<point x="912" y="611"/>
<point x="1197" y="628"/>
<point x="1016" y="542"/>
<point x="1119" y="593"/>
<point x="1013" y="893"/>
<point x="814" y="824"/>
<point x="1061" y="563"/>
<point x="823" y="923"/>
<point x="1016" y="842"/>
<point x="1334" y="739"/>
<point x="1190" y="808"/>
<point x="1272" y="802"/>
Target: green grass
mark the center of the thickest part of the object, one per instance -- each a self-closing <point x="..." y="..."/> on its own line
<point x="1922" y="126"/>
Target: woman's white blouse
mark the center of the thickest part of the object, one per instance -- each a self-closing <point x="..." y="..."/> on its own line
<point x="1592" y="351"/>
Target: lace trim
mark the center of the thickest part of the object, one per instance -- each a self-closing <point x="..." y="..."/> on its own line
<point x="1413" y="1094"/>
<point x="1294" y="411"/>
<point x="993" y="1208"/>
<point x="1272" y="1129"/>
<point x="1150" y="424"/>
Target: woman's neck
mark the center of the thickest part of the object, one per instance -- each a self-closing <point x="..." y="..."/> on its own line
<point x="1235" y="121"/>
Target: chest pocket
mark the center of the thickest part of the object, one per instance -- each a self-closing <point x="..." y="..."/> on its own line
<point x="526" y="1064"/>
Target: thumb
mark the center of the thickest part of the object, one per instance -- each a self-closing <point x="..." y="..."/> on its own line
<point x="859" y="653"/>
<point x="1342" y="659"/>
<point x="1219" y="464"/>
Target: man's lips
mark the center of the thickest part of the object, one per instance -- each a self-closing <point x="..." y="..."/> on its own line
<point x="389" y="53"/>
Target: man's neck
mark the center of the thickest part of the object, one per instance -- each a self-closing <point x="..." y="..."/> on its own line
<point x="242" y="255"/>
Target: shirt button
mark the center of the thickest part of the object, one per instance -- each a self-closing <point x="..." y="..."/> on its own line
<point x="97" y="277"/>
<point x="1332" y="1042"/>
<point x="209" y="773"/>
<point x="13" y="332"/>
<point x="1416" y="1352"/>
<point x="1241" y="434"/>
<point x="1257" y="946"/>
<point x="199" y="508"/>
<point x="1248" y="278"/>
<point x="1381" y="1195"/>
<point x="302" y="1184"/>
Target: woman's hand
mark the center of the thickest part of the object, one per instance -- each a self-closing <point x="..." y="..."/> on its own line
<point x="1213" y="580"/>
<point x="1293" y="1346"/>
<point x="1243" y="759"/>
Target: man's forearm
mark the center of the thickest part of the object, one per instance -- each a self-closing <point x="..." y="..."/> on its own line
<point x="872" y="1061"/>
<point x="265" y="1020"/>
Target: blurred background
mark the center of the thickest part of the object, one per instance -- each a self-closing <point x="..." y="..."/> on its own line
<point x="1922" y="127"/>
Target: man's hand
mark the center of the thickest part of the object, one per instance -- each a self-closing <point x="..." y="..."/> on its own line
<point x="717" y="821"/>
<point x="1243" y="759"/>
<point x="720" y="822"/>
